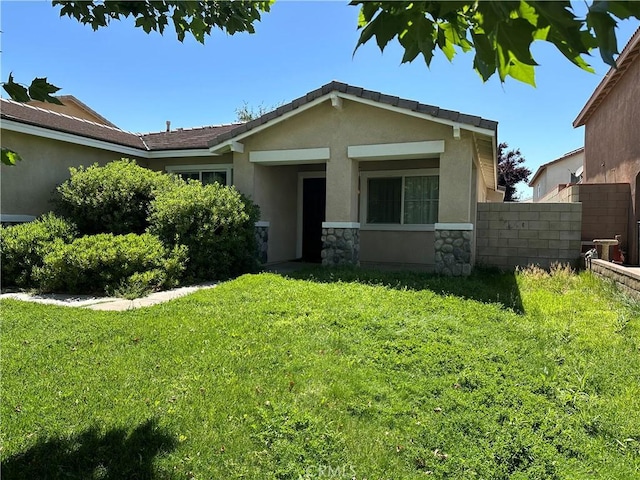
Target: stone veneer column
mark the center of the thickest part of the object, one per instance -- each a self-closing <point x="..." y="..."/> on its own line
<point x="453" y="246"/>
<point x="340" y="243"/>
<point x="262" y="241"/>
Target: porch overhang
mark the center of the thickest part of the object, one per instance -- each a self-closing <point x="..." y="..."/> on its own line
<point x="300" y="156"/>
<point x="396" y="151"/>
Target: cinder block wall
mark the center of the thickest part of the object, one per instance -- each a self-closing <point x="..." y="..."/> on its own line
<point x="520" y="234"/>
<point x="562" y="195"/>
<point x="605" y="211"/>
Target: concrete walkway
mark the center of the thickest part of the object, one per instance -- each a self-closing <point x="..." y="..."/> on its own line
<point x="120" y="304"/>
<point x="106" y="303"/>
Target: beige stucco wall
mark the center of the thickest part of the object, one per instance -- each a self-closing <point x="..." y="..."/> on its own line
<point x="409" y="248"/>
<point x="276" y="193"/>
<point x="456" y="180"/>
<point x="27" y="187"/>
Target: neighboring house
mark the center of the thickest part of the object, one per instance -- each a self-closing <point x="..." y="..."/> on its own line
<point x="344" y="174"/>
<point x="551" y="178"/>
<point x="611" y="118"/>
<point x="74" y="108"/>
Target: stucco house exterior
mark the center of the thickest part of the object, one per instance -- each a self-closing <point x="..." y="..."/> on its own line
<point x="611" y="118"/>
<point x="341" y="174"/>
<point x="552" y="177"/>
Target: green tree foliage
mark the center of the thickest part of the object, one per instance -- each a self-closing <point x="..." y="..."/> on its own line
<point x="39" y="89"/>
<point x="9" y="157"/>
<point x="195" y="17"/>
<point x="22" y="247"/>
<point x="500" y="32"/>
<point x="511" y="171"/>
<point x="215" y="222"/>
<point x="111" y="199"/>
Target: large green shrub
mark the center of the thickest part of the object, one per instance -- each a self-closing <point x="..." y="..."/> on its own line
<point x="215" y="222"/>
<point x="105" y="263"/>
<point x="111" y="199"/>
<point x="23" y="246"/>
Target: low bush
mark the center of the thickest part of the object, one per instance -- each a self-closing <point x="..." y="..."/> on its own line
<point x="111" y="199"/>
<point x="215" y="222"/>
<point x="107" y="263"/>
<point x="23" y="246"/>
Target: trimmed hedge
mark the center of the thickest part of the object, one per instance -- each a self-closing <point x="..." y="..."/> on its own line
<point x="111" y="199"/>
<point x="106" y="263"/>
<point x="23" y="246"/>
<point x="216" y="223"/>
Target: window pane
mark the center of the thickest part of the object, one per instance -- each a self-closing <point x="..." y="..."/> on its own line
<point x="421" y="200"/>
<point x="384" y="200"/>
<point x="213" y="177"/>
<point x="188" y="175"/>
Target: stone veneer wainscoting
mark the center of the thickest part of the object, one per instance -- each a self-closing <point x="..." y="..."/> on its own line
<point x="453" y="246"/>
<point x="262" y="240"/>
<point x="340" y="243"/>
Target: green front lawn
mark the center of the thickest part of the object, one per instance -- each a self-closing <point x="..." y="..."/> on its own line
<point x="335" y="374"/>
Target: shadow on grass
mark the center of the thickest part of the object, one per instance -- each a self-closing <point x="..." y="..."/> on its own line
<point x="90" y="454"/>
<point x="483" y="285"/>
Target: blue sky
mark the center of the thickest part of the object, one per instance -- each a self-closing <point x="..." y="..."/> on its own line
<point x="139" y="81"/>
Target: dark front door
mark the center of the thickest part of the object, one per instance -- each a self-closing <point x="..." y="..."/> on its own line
<point x="314" y="199"/>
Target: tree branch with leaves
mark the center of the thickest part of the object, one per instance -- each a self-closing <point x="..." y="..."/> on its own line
<point x="500" y="32"/>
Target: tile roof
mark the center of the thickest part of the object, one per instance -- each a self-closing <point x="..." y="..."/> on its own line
<point x="629" y="54"/>
<point x="204" y="137"/>
<point x="359" y="92"/>
<point x="187" y="138"/>
<point x="179" y="139"/>
<point x="39" y="117"/>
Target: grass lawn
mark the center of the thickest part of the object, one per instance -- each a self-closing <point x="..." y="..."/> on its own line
<point x="333" y="374"/>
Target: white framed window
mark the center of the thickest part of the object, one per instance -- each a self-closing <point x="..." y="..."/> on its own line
<point x="207" y="174"/>
<point x="399" y="199"/>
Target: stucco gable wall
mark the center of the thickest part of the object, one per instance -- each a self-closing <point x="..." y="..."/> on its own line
<point x="355" y="124"/>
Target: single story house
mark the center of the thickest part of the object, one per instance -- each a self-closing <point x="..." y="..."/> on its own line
<point x="341" y="174"/>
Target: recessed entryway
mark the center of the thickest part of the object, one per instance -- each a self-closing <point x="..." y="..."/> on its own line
<point x="312" y="200"/>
